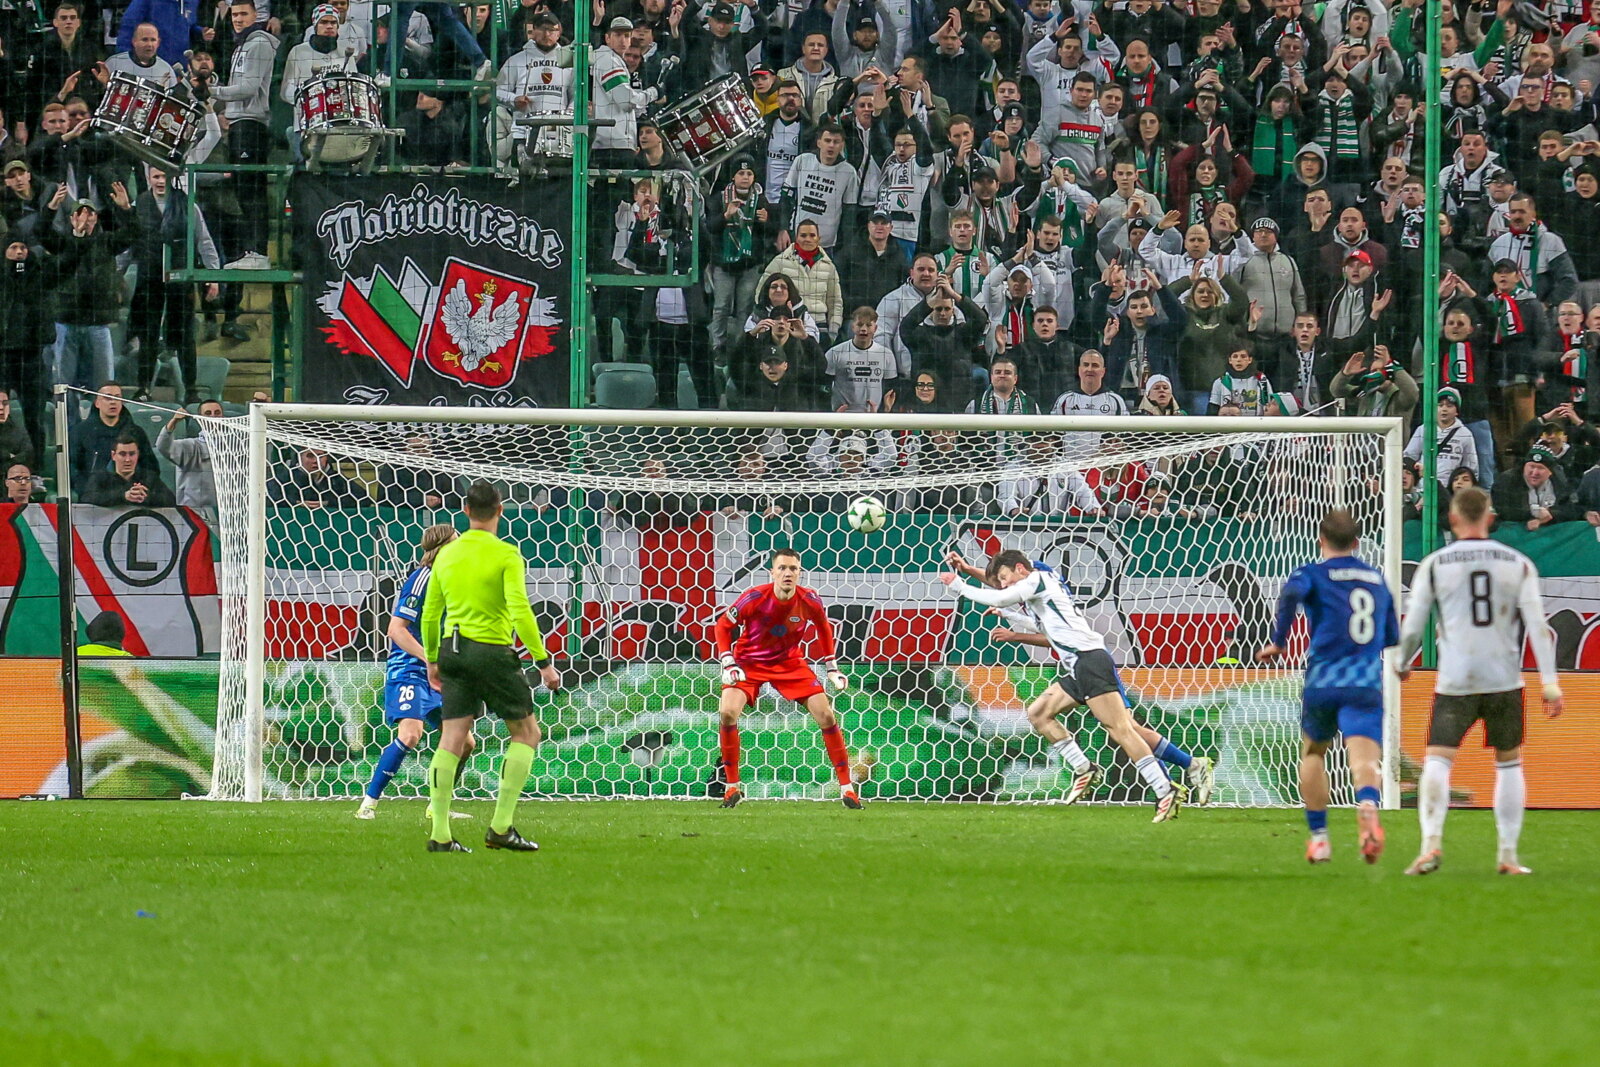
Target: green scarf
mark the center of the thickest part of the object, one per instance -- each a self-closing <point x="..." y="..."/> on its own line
<point x="1053" y="200"/>
<point x="1272" y="150"/>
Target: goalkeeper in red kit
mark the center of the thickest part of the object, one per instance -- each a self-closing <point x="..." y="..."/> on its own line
<point x="772" y="621"/>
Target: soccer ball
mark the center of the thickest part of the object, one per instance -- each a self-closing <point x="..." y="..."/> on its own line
<point x="866" y="514"/>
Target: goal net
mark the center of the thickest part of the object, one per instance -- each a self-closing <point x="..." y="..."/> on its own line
<point x="1176" y="534"/>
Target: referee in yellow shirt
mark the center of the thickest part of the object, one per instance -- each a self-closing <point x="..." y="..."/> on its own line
<point x="478" y="586"/>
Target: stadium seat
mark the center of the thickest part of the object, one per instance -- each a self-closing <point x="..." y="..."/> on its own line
<point x="688" y="399"/>
<point x="624" y="385"/>
<point x="151" y="420"/>
<point x="211" y="374"/>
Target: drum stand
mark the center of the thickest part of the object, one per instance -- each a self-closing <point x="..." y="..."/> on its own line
<point x="314" y="141"/>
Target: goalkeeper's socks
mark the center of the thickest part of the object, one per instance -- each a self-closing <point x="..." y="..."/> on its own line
<point x="728" y="737"/>
<point x="1069" y="752"/>
<point x="1317" y="821"/>
<point x="514" y="771"/>
<point x="442" y="790"/>
<point x="833" y="741"/>
<point x="1154" y="775"/>
<point x="389" y="762"/>
<point x="1167" y="752"/>
<point x="1433" y="800"/>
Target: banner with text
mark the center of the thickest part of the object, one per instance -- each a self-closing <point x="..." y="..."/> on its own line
<point x="453" y="292"/>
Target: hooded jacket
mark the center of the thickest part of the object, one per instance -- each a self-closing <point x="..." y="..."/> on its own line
<point x="247" y="94"/>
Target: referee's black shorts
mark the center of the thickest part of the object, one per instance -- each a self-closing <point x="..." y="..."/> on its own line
<point x="476" y="676"/>
<point x="1501" y="713"/>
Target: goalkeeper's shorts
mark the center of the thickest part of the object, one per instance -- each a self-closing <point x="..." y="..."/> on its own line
<point x="793" y="680"/>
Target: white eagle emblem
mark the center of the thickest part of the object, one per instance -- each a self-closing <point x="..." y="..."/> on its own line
<point x="479" y="334"/>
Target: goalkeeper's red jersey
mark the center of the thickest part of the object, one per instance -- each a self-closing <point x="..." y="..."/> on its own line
<point x="771" y="631"/>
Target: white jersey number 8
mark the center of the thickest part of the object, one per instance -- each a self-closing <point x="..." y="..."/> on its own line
<point x="1363" y="611"/>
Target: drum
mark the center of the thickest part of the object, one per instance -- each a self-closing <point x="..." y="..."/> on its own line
<point x="335" y="111"/>
<point x="713" y="123"/>
<point x="148" y="121"/>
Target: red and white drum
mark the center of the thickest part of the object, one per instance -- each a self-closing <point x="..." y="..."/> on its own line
<point x="338" y="110"/>
<point x="143" y="118"/>
<point x="713" y="123"/>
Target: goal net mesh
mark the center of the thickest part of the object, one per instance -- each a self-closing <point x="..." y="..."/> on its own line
<point x="1176" y="543"/>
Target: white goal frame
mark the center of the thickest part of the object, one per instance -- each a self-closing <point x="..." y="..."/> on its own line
<point x="1390" y="429"/>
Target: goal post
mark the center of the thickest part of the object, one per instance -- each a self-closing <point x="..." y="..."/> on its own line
<point x="1175" y="533"/>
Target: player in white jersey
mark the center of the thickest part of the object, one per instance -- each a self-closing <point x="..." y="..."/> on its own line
<point x="1485" y="596"/>
<point x="1088" y="674"/>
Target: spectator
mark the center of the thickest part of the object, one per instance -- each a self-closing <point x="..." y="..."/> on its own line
<point x="1536" y="496"/>
<point x="162" y="310"/>
<point x="1136" y="343"/>
<point x="861" y="368"/>
<point x="1271" y="281"/>
<point x="819" y="186"/>
<point x="780" y="299"/>
<point x="247" y="105"/>
<point x="907" y="176"/>
<point x="615" y="98"/>
<point x="15" y="444"/>
<point x="893" y="308"/>
<point x="1351" y="321"/>
<point x="1046" y="361"/>
<point x="1454" y="447"/>
<point x="736" y="224"/>
<point x="535" y="80"/>
<point x="1304" y="369"/>
<point x="88" y="297"/>
<point x="132" y="479"/>
<point x="176" y="23"/>
<point x="776" y="386"/>
<point x="314" y="482"/>
<point x="197" y="487"/>
<point x="19" y="483"/>
<point x="939" y="343"/>
<point x="816" y="281"/>
<point x="811" y="73"/>
<point x="140" y="58"/>
<point x="1218" y="318"/>
<point x="1375" y="385"/>
<point x="436" y="133"/>
<point x="63" y="61"/>
<point x="1008" y="300"/>
<point x="25" y="327"/>
<point x="716" y="48"/>
<point x="1158" y="399"/>
<point x="1242" y="385"/>
<point x="94" y="436"/>
<point x="869" y="270"/>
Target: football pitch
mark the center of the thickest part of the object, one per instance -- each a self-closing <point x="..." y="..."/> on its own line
<point x="785" y="933"/>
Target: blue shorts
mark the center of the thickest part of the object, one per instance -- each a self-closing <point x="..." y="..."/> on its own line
<point x="1352" y="712"/>
<point x="410" y="698"/>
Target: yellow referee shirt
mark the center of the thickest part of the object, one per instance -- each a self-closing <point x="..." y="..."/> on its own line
<point x="478" y="581"/>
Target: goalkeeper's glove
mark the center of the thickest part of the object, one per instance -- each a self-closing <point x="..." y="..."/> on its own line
<point x="837" y="679"/>
<point x="732" y="673"/>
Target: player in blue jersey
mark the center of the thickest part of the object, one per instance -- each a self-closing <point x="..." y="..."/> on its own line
<point x="1351" y="618"/>
<point x="410" y="704"/>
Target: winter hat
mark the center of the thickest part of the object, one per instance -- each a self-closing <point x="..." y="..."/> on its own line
<point x="1452" y="395"/>
<point x="1540" y="454"/>
<point x="1150" y="383"/>
<point x="324" y="11"/>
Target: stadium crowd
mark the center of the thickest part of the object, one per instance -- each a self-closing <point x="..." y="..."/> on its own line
<point x="1136" y="207"/>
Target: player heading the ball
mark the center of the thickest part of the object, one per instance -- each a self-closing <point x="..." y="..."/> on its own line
<point x="772" y="621"/>
<point x="1088" y="674"/>
<point x="1485" y="596"/>
<point x="1350" y="614"/>
<point x="1044" y="714"/>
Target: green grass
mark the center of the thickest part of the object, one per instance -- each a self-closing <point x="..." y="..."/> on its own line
<point x="666" y="933"/>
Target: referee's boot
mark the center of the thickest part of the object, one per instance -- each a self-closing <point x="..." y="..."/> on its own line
<point x="451" y="845"/>
<point x="510" y="840"/>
